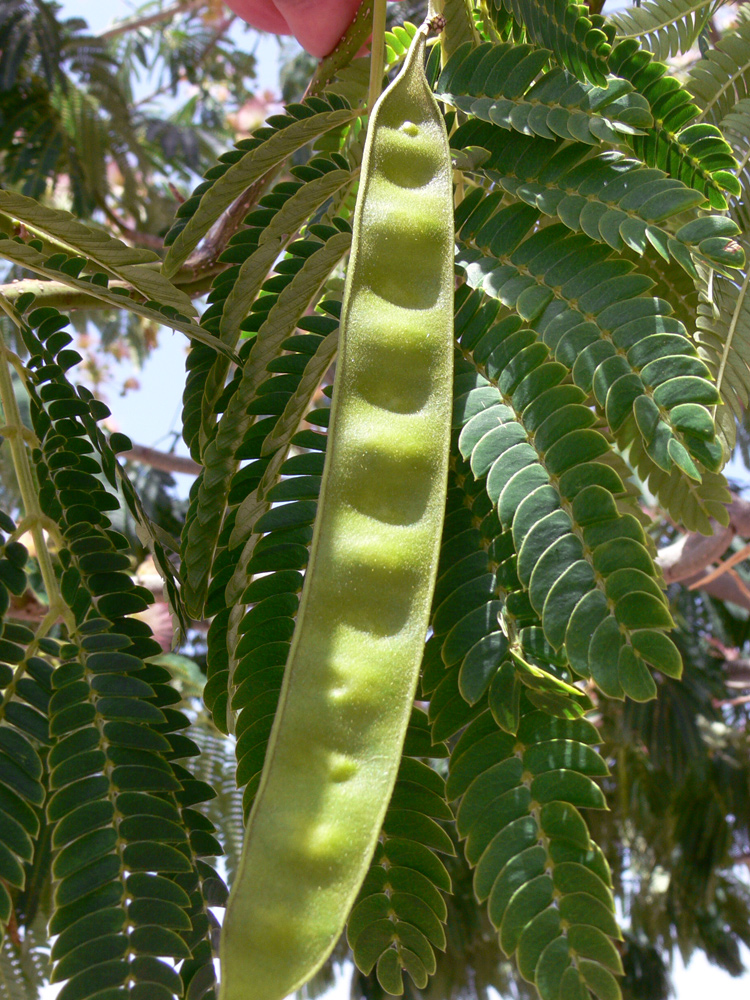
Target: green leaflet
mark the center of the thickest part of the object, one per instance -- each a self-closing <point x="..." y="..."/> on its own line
<point x="251" y="159"/>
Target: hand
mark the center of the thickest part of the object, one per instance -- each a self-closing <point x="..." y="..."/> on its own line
<point x="316" y="24"/>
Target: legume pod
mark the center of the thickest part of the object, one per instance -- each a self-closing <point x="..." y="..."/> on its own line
<point x="354" y="661"/>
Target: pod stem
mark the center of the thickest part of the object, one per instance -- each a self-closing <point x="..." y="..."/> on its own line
<point x="377" y="54"/>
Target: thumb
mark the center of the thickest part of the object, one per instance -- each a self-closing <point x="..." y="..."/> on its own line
<point x="318" y="24"/>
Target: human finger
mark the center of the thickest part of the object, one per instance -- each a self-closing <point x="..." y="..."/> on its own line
<point x="261" y="14"/>
<point x="317" y="24"/>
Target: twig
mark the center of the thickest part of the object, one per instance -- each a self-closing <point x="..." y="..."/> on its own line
<point x="221" y="29"/>
<point x="134" y="23"/>
<point x="723" y="567"/>
<point x="134" y="235"/>
<point x="725" y="588"/>
<point x="165" y="461"/>
<point x="691" y="553"/>
<point x="204" y="260"/>
<point x="346" y="49"/>
<point x="723" y="702"/>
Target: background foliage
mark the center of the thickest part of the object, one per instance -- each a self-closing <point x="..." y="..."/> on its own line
<point x="602" y="331"/>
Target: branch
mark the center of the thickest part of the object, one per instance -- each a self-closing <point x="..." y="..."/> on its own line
<point x="165" y="461"/>
<point x="685" y="560"/>
<point x="723" y="588"/>
<point x="203" y="262"/>
<point x="725" y="566"/>
<point x="134" y="23"/>
<point x="737" y="672"/>
<point x="138" y="238"/>
<point x="691" y="553"/>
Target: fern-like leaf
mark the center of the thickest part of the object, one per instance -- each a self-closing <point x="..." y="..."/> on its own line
<point x="259" y="638"/>
<point x="586" y="318"/>
<point x="615" y="200"/>
<point x="116" y="741"/>
<point x="24" y="730"/>
<point x="580" y="41"/>
<point x="277" y="445"/>
<point x="68" y="268"/>
<point x="398" y="918"/>
<point x="564" y="526"/>
<point x="255" y="534"/>
<point x="665" y="27"/>
<point x="503" y="84"/>
<point x="547" y="886"/>
<point x="270" y="228"/>
<point x="721" y="78"/>
<point x="138" y="268"/>
<point x="723" y="334"/>
<point x="303" y="275"/>
<point x="459" y="25"/>
<point x="238" y="169"/>
<point x="522" y="746"/>
<point x="736" y="129"/>
<point x="689" y="150"/>
<point x="585" y="44"/>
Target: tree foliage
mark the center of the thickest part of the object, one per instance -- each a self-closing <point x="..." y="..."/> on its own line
<point x="573" y="802"/>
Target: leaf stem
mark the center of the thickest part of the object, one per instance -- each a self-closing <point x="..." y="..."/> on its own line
<point x="44" y="628"/>
<point x="27" y="487"/>
<point x="731" y="330"/>
<point x="377" y="55"/>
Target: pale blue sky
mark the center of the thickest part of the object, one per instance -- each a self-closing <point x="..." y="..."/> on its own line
<point x="150" y="415"/>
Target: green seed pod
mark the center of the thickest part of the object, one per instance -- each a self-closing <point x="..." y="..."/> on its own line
<point x="354" y="662"/>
